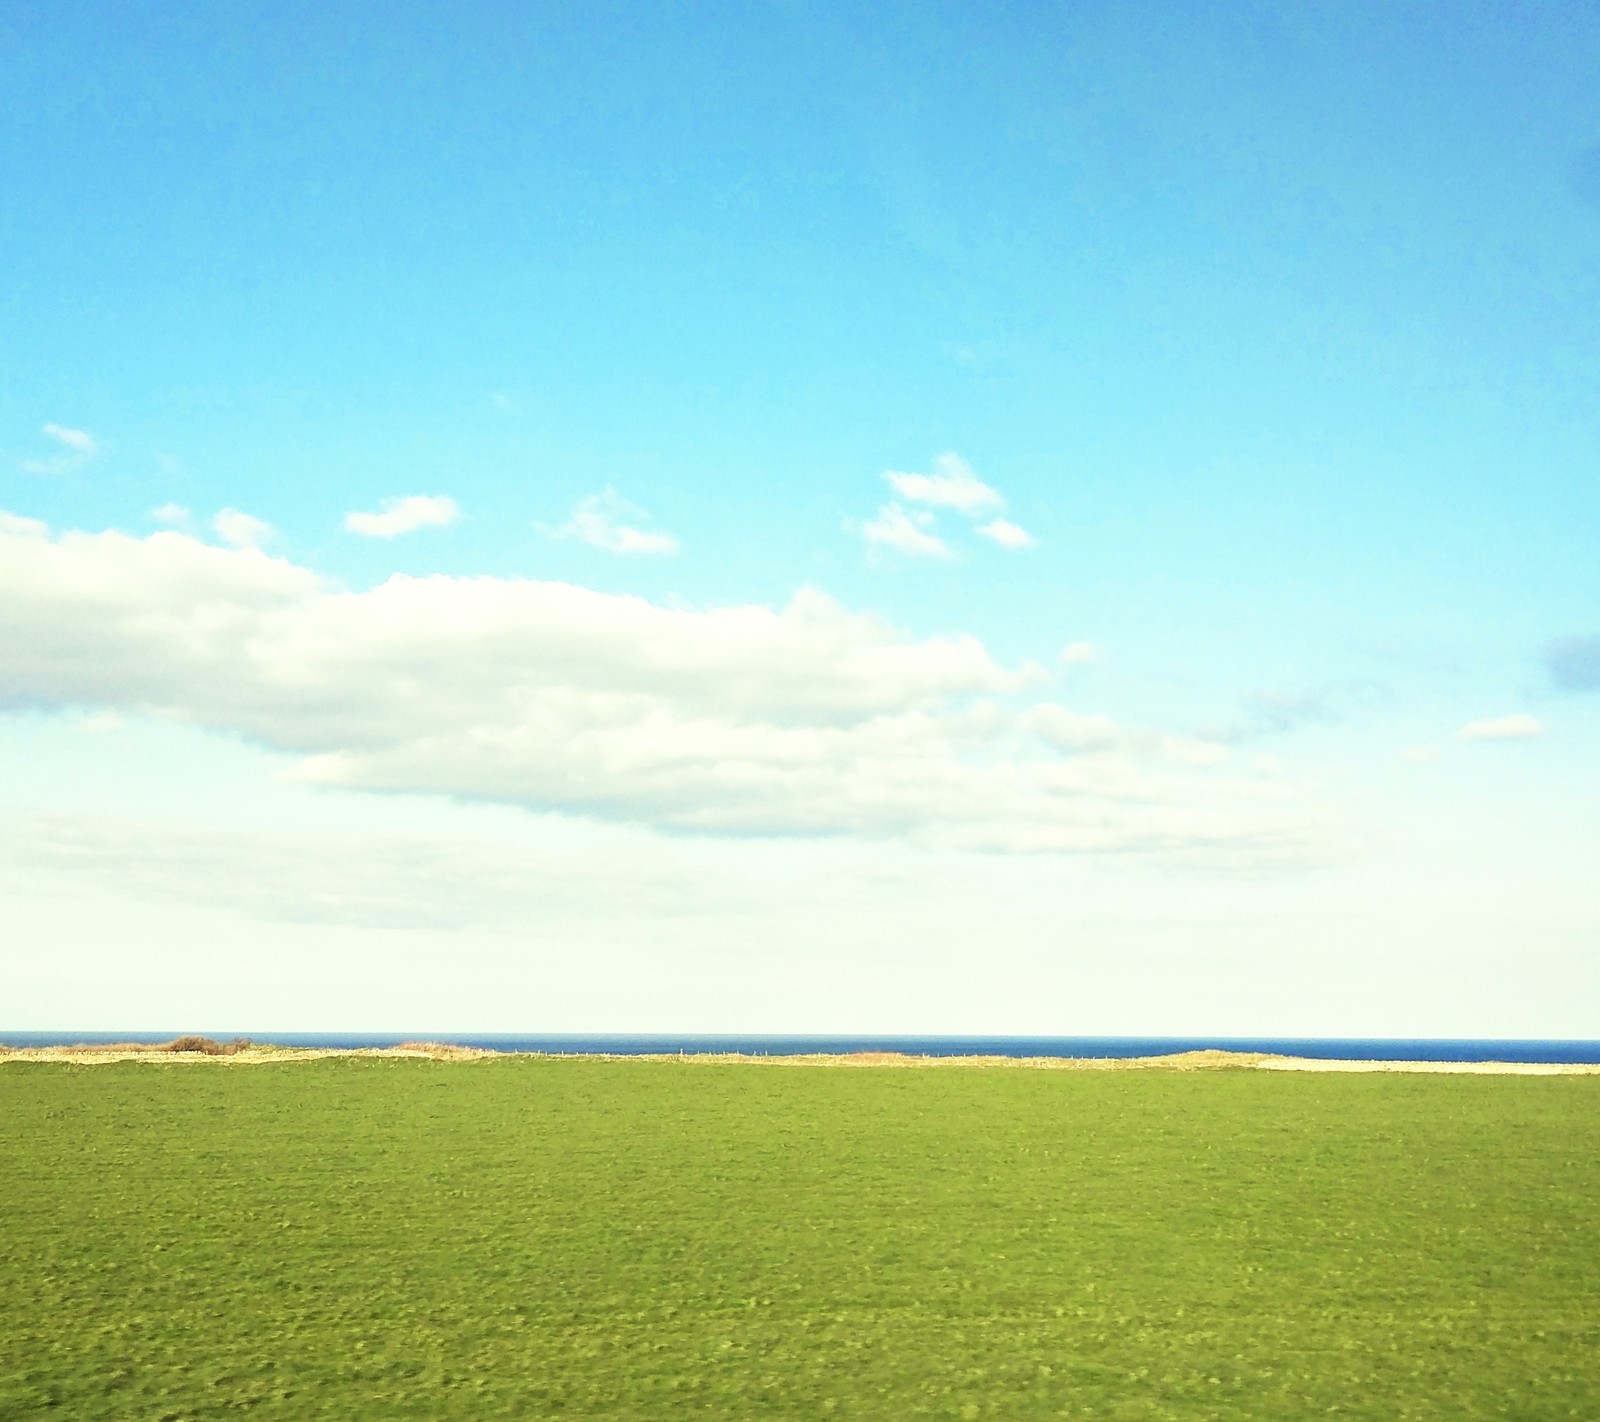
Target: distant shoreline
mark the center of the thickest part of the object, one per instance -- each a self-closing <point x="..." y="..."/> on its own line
<point x="257" y="1054"/>
<point x="815" y="1044"/>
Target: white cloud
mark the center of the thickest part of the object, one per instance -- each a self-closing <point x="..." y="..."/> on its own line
<point x="1007" y="534"/>
<point x="1519" y="727"/>
<point x="908" y="533"/>
<point x="174" y="515"/>
<point x="1079" y="653"/>
<point x="78" y="441"/>
<point x="241" y="530"/>
<point x="952" y="485"/>
<point x="1420" y="755"/>
<point x="808" y="719"/>
<point x="606" y="521"/>
<point x="404" y="515"/>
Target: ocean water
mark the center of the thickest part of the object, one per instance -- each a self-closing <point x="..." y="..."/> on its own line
<point x="1429" y="1049"/>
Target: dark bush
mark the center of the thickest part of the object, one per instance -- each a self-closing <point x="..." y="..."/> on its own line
<point x="208" y="1045"/>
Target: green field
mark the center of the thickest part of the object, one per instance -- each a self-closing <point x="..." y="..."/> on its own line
<point x="544" y="1238"/>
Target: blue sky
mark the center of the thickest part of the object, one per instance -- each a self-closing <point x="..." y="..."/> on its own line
<point x="779" y="391"/>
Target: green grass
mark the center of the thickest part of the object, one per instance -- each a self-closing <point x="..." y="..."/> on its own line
<point x="526" y="1238"/>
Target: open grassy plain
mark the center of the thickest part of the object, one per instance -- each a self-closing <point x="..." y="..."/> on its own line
<point x="388" y="1239"/>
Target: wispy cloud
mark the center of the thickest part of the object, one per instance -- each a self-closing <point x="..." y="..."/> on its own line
<point x="1519" y="727"/>
<point x="173" y="515"/>
<point x="606" y="521"/>
<point x="748" y="720"/>
<point x="908" y="533"/>
<point x="241" y="530"/>
<point x="403" y="515"/>
<point x="1007" y="534"/>
<point x="374" y="879"/>
<point x="78" y="441"/>
<point x="1071" y="730"/>
<point x="77" y="448"/>
<point x="1079" y="653"/>
<point x="952" y="485"/>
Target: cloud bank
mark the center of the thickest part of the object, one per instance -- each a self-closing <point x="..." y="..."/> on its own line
<point x="804" y="720"/>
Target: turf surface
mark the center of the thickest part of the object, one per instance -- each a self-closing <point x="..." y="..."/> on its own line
<point x="526" y="1238"/>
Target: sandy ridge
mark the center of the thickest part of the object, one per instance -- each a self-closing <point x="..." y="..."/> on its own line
<point x="1210" y="1060"/>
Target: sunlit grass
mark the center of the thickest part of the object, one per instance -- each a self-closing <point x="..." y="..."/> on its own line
<point x="525" y="1238"/>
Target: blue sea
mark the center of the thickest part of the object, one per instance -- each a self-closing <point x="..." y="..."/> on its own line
<point x="1426" y="1049"/>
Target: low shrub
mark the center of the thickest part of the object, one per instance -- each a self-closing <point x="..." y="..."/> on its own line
<point x="209" y="1046"/>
